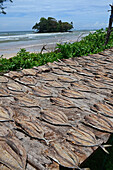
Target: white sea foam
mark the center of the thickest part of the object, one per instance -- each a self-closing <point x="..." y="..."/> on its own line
<point x="28" y="36"/>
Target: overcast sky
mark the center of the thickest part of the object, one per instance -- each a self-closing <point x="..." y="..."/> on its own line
<point x="85" y="14"/>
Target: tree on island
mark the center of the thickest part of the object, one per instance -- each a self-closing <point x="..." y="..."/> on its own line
<point x="2" y="7"/>
<point x="52" y="25"/>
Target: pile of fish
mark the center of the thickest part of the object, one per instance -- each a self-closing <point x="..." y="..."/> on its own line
<point x="57" y="114"/>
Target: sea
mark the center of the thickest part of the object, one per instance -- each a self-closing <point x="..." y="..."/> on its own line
<point x="12" y="42"/>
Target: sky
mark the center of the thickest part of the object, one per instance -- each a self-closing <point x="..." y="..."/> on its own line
<point x="85" y="14"/>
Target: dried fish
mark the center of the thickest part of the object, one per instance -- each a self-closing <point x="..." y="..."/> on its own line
<point x="46" y="77"/>
<point x="59" y="72"/>
<point x="26" y="101"/>
<point x="13" y="86"/>
<point x="54" y="117"/>
<point x="13" y="74"/>
<point x="12" y="153"/>
<point x="70" y="62"/>
<point x="3" y="79"/>
<point x="53" y="65"/>
<point x="5" y="114"/>
<point x="82" y="137"/>
<point x="67" y="79"/>
<point x="72" y="94"/>
<point x="86" y="73"/>
<point x="96" y="84"/>
<point x="81" y="87"/>
<point x="103" y="109"/>
<point x="92" y="64"/>
<point x="41" y="92"/>
<point x="99" y="122"/>
<point x="43" y="68"/>
<point x="31" y="72"/>
<point x="29" y="126"/>
<point x="62" y="155"/>
<point x="68" y="69"/>
<point x="61" y="102"/>
<point x="27" y="80"/>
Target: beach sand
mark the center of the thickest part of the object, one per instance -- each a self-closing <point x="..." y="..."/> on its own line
<point x="31" y="48"/>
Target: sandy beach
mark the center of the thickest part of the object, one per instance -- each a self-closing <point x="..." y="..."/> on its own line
<point x="36" y="48"/>
<point x="11" y="43"/>
<point x="32" y="48"/>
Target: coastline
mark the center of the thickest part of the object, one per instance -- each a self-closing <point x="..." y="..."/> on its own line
<point x="10" y="45"/>
<point x="33" y="48"/>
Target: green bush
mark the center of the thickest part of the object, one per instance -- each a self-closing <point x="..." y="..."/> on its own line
<point x="93" y="43"/>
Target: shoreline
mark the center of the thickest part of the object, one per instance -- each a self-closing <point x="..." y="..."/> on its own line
<point x="33" y="48"/>
<point x="10" y="49"/>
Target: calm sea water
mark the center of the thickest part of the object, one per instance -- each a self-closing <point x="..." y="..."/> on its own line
<point x="12" y="42"/>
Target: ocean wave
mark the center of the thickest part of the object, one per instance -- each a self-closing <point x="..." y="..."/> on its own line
<point x="28" y="36"/>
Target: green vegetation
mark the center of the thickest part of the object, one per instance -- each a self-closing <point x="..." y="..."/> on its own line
<point x="93" y="43"/>
<point x="51" y="25"/>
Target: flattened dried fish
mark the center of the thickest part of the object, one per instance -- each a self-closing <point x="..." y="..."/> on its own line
<point x="46" y="77"/>
<point x="99" y="122"/>
<point x="81" y="87"/>
<point x="54" y="117"/>
<point x="63" y="156"/>
<point x="26" y="101"/>
<point x="13" y="74"/>
<point x="86" y="73"/>
<point x="61" y="102"/>
<point x="43" y="68"/>
<point x="103" y="109"/>
<point x="72" y="94"/>
<point x="13" y="86"/>
<point x="71" y="62"/>
<point x="68" y="70"/>
<point x="41" y="92"/>
<point x="3" y="79"/>
<point x="66" y="79"/>
<point x="92" y="64"/>
<point x="82" y="137"/>
<point x="52" y="65"/>
<point x="29" y="126"/>
<point x="31" y="72"/>
<point x="96" y="84"/>
<point x="27" y="80"/>
<point x="12" y="154"/>
<point x="59" y="72"/>
<point x="5" y="114"/>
